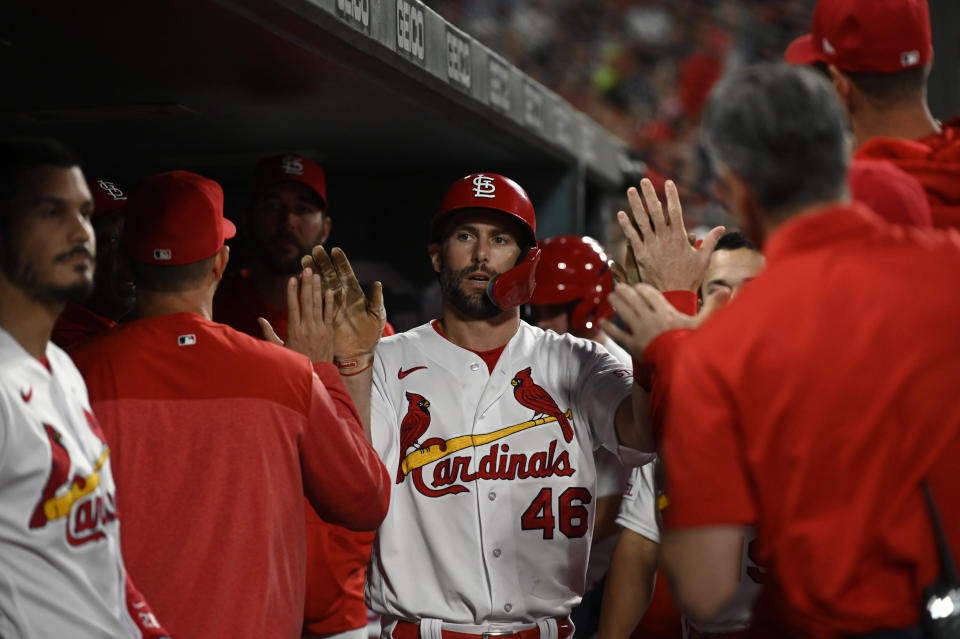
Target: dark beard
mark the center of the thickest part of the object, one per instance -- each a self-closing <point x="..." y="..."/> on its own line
<point x="471" y="307"/>
<point x="24" y="277"/>
<point x="291" y="266"/>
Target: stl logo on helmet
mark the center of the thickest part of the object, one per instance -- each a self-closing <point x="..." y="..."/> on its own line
<point x="484" y="186"/>
<point x="292" y="165"/>
<point x="112" y="190"/>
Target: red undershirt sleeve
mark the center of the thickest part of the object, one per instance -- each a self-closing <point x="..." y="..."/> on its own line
<point x="343" y="476"/>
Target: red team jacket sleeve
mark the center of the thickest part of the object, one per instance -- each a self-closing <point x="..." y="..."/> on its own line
<point x="658" y="358"/>
<point x="685" y="302"/>
<point x="343" y="476"/>
<point x="143" y="617"/>
<point x="706" y="473"/>
<point x="330" y="377"/>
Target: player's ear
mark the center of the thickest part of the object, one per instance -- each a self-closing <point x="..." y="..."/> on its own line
<point x="434" y="249"/>
<point x="842" y="85"/>
<point x="220" y="260"/>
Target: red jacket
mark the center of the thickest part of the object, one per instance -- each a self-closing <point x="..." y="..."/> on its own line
<point x="934" y="161"/>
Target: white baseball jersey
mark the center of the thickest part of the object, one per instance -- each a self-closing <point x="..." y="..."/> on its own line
<point x="61" y="572"/>
<point x="638" y="507"/>
<point x="611" y="480"/>
<point x="491" y="517"/>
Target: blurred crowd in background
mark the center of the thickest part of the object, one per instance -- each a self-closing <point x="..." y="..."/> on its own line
<point x="641" y="68"/>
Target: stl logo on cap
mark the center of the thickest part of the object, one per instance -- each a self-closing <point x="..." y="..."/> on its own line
<point x="112" y="190"/>
<point x="483" y="186"/>
<point x="292" y="165"/>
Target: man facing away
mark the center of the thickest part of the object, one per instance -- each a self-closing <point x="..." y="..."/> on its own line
<point x="816" y="406"/>
<point x="878" y="53"/>
<point x="61" y="569"/>
<point x="220" y="435"/>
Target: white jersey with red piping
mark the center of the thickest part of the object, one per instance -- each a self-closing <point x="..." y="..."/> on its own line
<point x="491" y="514"/>
<point x="61" y="570"/>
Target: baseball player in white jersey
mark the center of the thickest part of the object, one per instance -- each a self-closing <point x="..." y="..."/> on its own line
<point x="489" y="425"/>
<point x="61" y="571"/>
<point x="574" y="279"/>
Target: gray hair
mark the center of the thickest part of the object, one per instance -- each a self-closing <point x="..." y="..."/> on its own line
<point x="782" y="130"/>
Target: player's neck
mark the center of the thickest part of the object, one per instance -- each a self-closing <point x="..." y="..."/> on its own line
<point x="910" y="122"/>
<point x="28" y="321"/>
<point x="156" y="304"/>
<point x="479" y="335"/>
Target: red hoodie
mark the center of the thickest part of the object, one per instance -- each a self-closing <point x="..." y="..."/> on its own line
<point x="934" y="161"/>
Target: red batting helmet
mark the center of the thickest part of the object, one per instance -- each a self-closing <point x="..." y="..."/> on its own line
<point x="497" y="193"/>
<point x="486" y="191"/>
<point x="575" y="269"/>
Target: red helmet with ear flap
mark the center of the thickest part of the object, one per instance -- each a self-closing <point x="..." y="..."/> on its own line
<point x="497" y="193"/>
<point x="575" y="269"/>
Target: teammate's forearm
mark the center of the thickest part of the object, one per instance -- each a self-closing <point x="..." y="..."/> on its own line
<point x="632" y="421"/>
<point x="629" y="585"/>
<point x="360" y="386"/>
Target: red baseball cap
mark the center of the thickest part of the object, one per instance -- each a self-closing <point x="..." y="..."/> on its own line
<point x="879" y="36"/>
<point x="291" y="167"/>
<point x="108" y="198"/>
<point x="891" y="192"/>
<point x="175" y="218"/>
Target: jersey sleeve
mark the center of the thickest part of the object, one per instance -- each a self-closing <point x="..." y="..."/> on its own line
<point x="141" y="614"/>
<point x="707" y="481"/>
<point x="602" y="384"/>
<point x="344" y="479"/>
<point x="638" y="508"/>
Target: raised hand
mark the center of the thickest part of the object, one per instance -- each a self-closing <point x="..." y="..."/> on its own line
<point x="358" y="320"/>
<point x="646" y="313"/>
<point x="310" y="318"/>
<point x="660" y="253"/>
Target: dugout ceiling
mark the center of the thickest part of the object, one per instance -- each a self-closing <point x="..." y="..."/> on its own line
<point x="371" y="88"/>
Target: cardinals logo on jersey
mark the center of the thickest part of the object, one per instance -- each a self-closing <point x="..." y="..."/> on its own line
<point x="539" y="401"/>
<point x="69" y="496"/>
<point x="452" y="473"/>
<point x="413" y="426"/>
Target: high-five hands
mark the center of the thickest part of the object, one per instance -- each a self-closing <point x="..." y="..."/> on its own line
<point x="660" y="253"/>
<point x="646" y="314"/>
<point x="310" y="328"/>
<point x="358" y="321"/>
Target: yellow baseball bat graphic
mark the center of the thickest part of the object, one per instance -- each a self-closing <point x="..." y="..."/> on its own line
<point x="57" y="507"/>
<point x="422" y="457"/>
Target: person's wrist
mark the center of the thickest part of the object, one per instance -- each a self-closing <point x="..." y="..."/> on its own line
<point x="355" y="364"/>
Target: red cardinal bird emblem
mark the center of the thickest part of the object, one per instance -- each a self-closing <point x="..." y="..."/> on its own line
<point x="539" y="401"/>
<point x="59" y="475"/>
<point x="413" y="426"/>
